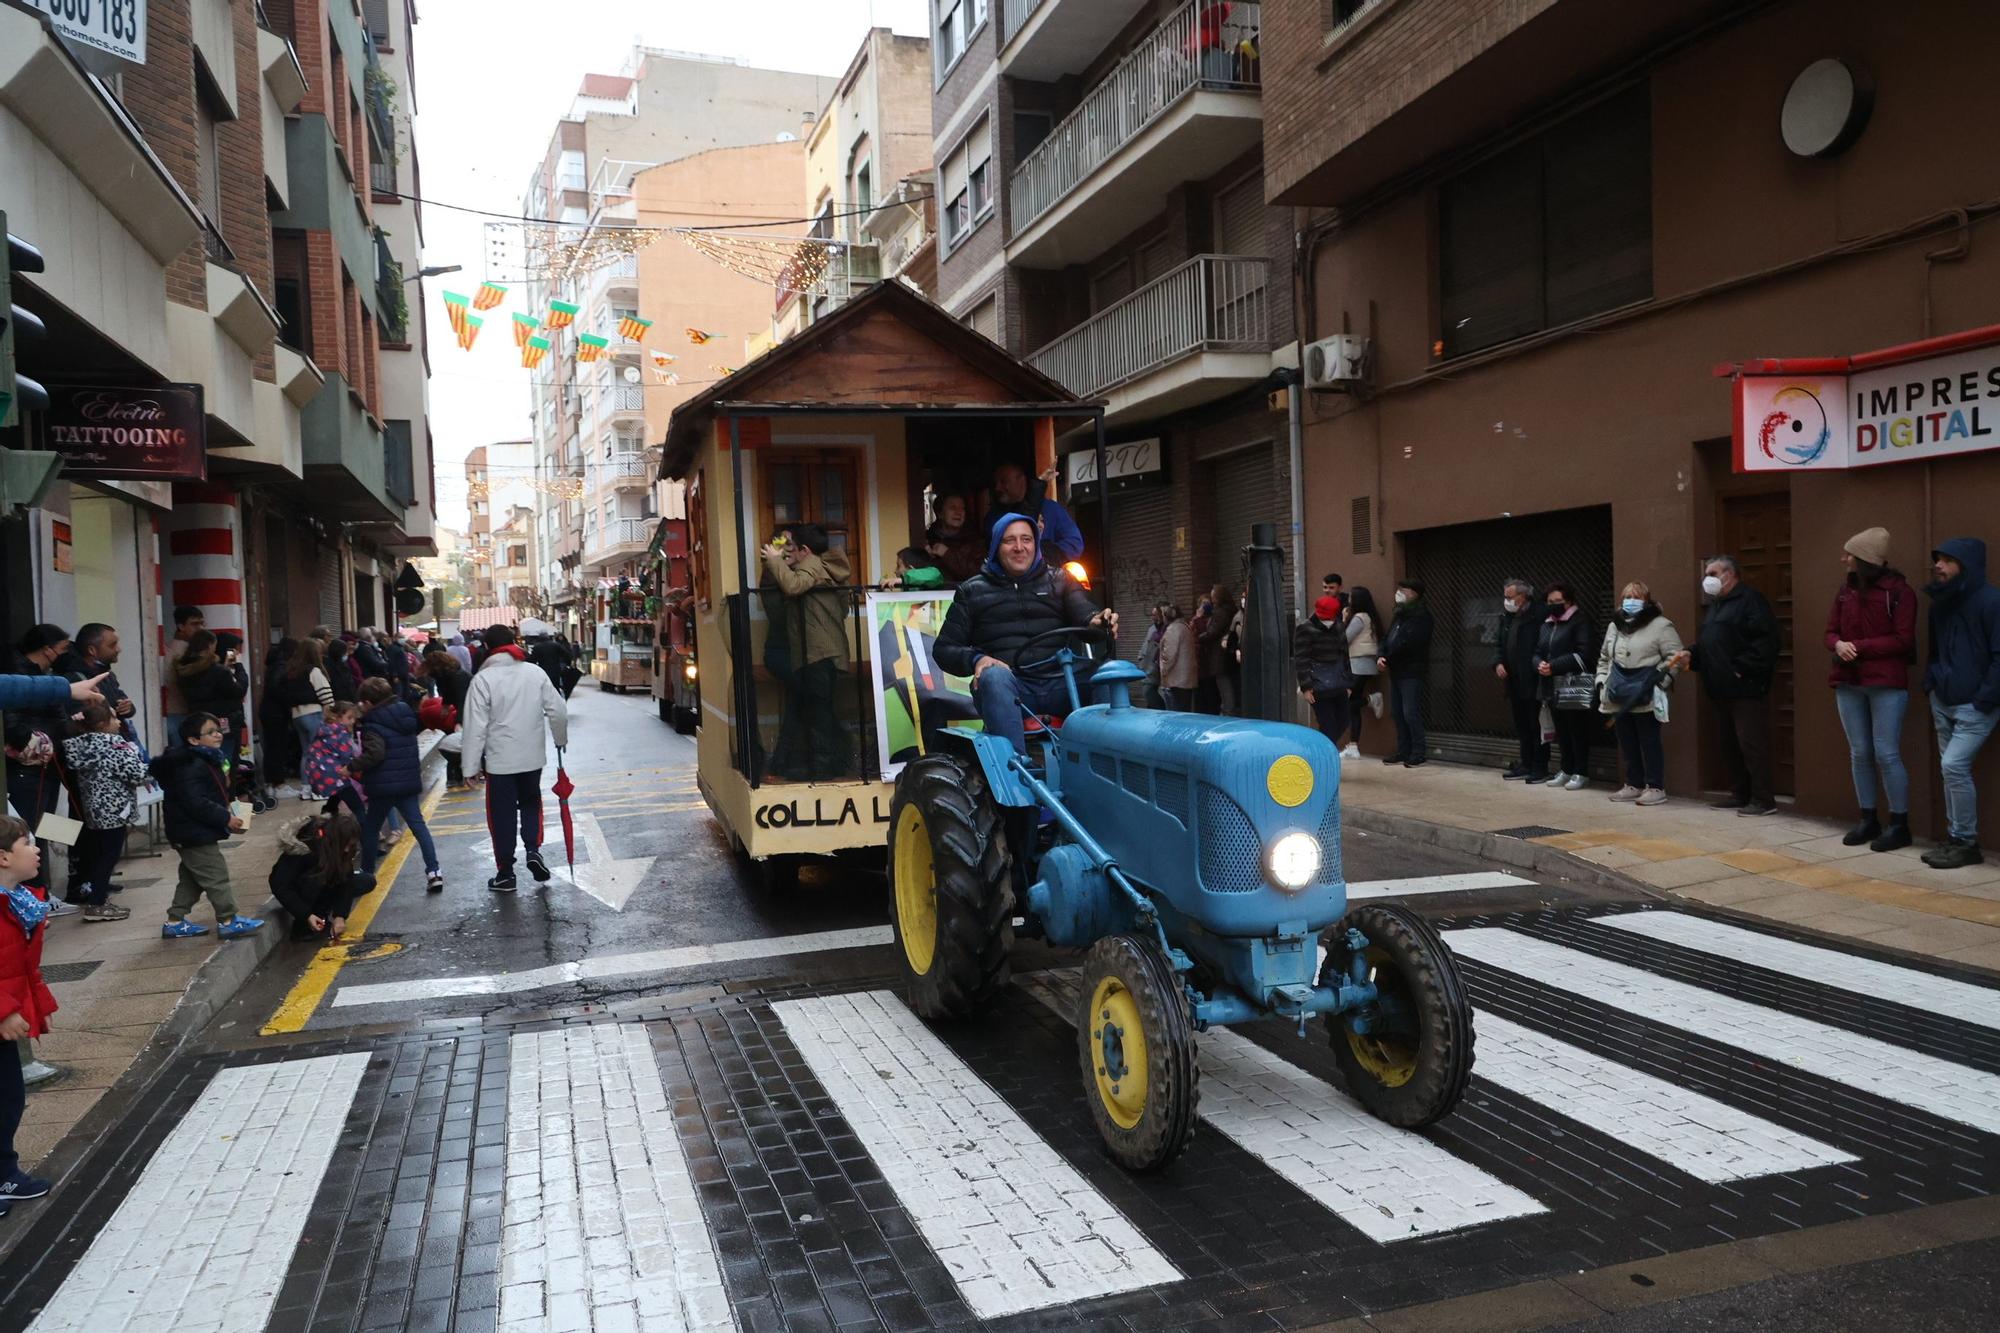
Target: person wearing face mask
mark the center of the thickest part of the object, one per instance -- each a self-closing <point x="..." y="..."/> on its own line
<point x="1963" y="680"/>
<point x="1406" y="653"/>
<point x="1736" y="653"/>
<point x="1564" y="651"/>
<point x="1319" y="657"/>
<point x="1871" y="633"/>
<point x="1637" y="656"/>
<point x="1521" y="616"/>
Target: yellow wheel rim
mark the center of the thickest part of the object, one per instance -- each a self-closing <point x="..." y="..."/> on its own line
<point x="1119" y="1045"/>
<point x="916" y="890"/>
<point x="1390" y="1060"/>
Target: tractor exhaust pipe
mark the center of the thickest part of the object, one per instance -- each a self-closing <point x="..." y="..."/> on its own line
<point x="1267" y="641"/>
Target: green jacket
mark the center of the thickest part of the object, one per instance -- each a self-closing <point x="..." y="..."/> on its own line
<point x="923" y="579"/>
<point x="815" y="616"/>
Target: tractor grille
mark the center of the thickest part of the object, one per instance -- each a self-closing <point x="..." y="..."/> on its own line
<point x="1138" y="780"/>
<point x="1329" y="844"/>
<point x="1231" y="861"/>
<point x="1104" y="766"/>
<point x="1170" y="794"/>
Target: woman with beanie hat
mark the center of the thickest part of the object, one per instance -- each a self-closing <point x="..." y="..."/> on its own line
<point x="1872" y="634"/>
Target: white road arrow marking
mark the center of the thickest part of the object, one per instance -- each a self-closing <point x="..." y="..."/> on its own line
<point x="609" y="881"/>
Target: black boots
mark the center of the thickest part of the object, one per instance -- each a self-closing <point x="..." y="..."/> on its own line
<point x="1866" y="831"/>
<point x="1896" y="835"/>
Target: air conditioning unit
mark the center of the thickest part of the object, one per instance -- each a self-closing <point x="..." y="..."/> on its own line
<point x="1340" y="362"/>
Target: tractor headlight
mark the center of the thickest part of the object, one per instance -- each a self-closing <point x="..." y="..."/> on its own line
<point x="1294" y="860"/>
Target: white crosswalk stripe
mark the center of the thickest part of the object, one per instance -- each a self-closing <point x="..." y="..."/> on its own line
<point x="1829" y="967"/>
<point x="1950" y="1091"/>
<point x="1390" y="1184"/>
<point x="602" y="1228"/>
<point x="1016" y="1226"/>
<point x="1362" y="890"/>
<point x="1699" y="1135"/>
<point x="202" y="1241"/>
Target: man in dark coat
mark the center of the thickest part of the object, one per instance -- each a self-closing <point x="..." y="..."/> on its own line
<point x="1514" y="666"/>
<point x="94" y="652"/>
<point x="1737" y="654"/>
<point x="1406" y="656"/>
<point x="1963" y="681"/>
<point x="1012" y="599"/>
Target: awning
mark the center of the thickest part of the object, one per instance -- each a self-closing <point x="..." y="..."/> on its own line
<point x="485" y="617"/>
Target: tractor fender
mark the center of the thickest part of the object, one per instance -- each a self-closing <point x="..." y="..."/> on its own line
<point x="994" y="755"/>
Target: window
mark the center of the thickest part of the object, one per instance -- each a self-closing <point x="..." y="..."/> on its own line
<point x="950" y="42"/>
<point x="967" y="184"/>
<point x="208" y="154"/>
<point x="864" y="193"/>
<point x="1551" y="231"/>
<point x="984" y="318"/>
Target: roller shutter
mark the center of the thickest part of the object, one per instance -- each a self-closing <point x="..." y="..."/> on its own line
<point x="1239" y="217"/>
<point x="329" y="588"/>
<point x="1142" y="562"/>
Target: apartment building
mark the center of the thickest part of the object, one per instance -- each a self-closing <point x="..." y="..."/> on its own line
<point x="868" y="156"/>
<point x="479" y="588"/>
<point x="1101" y="213"/>
<point x="513" y="558"/>
<point x="662" y="107"/>
<point x="1553" y="222"/>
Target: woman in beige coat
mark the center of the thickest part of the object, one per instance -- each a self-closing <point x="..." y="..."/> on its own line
<point x="1639" y="647"/>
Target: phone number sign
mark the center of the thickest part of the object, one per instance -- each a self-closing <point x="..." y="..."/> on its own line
<point x="114" y="26"/>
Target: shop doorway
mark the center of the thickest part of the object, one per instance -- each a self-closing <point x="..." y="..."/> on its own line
<point x="1757" y="530"/>
<point x="1241" y="490"/>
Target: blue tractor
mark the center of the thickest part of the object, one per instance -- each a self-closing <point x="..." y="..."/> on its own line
<point x="1197" y="859"/>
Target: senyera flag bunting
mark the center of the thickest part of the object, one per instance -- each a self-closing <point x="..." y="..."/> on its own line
<point x="456" y="310"/>
<point x="562" y="314"/>
<point x="469" y="333"/>
<point x="489" y="295"/>
<point x="590" y="346"/>
<point x="632" y="328"/>
<point x="532" y="352"/>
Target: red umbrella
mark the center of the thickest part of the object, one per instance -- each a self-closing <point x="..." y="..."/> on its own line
<point x="562" y="790"/>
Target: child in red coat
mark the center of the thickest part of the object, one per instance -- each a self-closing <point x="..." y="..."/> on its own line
<point x="25" y="1002"/>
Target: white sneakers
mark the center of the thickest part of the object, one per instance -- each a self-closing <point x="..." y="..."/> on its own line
<point x="1651" y="796"/>
<point x="1577" y="782"/>
<point x="1351" y="751"/>
<point x="1628" y="792"/>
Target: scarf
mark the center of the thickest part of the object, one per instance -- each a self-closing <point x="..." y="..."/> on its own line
<point x="28" y="909"/>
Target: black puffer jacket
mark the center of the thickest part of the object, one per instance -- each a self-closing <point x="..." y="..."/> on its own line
<point x="210" y="687"/>
<point x="389" y="766"/>
<point x="992" y="614"/>
<point x="1514" y="648"/>
<point x="1408" y="645"/>
<point x="1568" y="646"/>
<point x="196" y="809"/>
<point x="1319" y="653"/>
<point x="301" y="886"/>
<point x="1737" y="650"/>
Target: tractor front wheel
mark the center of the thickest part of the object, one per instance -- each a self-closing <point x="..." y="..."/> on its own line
<point x="949" y="886"/>
<point x="1411" y="1065"/>
<point x="1135" y="1043"/>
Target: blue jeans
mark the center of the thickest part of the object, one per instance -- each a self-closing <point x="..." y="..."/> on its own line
<point x="1406" y="709"/>
<point x="1000" y="694"/>
<point x="412" y="810"/>
<point x="1961" y="730"/>
<point x="1872" y="717"/>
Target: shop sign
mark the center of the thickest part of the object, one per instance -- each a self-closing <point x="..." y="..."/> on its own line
<point x="1866" y="410"/>
<point x="117" y="27"/>
<point x="155" y="434"/>
<point x="1132" y="463"/>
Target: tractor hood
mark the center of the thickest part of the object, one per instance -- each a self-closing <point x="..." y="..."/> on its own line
<point x="1193" y="806"/>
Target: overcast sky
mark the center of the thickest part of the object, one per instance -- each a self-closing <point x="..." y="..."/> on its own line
<point x="493" y="77"/>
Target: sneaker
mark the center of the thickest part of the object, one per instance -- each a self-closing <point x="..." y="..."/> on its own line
<point x="1536" y="779"/>
<point x="1728" y="803"/>
<point x="1556" y="779"/>
<point x="106" y="912"/>
<point x="434" y="883"/>
<point x="536" y="865"/>
<point x="1753" y="810"/>
<point x="1390" y="761"/>
<point x="62" y="907"/>
<point x="1651" y="796"/>
<point x="1415" y="763"/>
<point x="1577" y="782"/>
<point x="21" y="1185"/>
<point x="181" y="930"/>
<point x="1514" y="773"/>
<point x="502" y="883"/>
<point x="1350" y="751"/>
<point x="239" y="926"/>
<point x="1628" y="792"/>
<point x="1953" y="854"/>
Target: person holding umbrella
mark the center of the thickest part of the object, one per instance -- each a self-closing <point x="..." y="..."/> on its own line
<point x="510" y="712"/>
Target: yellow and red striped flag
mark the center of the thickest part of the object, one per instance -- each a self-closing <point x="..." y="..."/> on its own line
<point x="532" y="352"/>
<point x="700" y="339"/>
<point x="589" y="346"/>
<point x="524" y="328"/>
<point x="455" y="311"/>
<point x="724" y="371"/>
<point x="470" y="333"/>
<point x="661" y="360"/>
<point x="561" y="314"/>
<point x="632" y="328"/>
<point x="489" y="295"/>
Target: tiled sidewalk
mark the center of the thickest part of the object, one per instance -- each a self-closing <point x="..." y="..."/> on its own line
<point x="1782" y="867"/>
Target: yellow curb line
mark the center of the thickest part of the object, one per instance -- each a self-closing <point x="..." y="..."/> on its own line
<point x="306" y="993"/>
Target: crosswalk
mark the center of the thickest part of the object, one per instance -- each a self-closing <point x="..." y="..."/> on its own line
<point x="632" y="1203"/>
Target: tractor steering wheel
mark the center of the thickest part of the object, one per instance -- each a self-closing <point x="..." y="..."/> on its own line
<point x="1026" y="667"/>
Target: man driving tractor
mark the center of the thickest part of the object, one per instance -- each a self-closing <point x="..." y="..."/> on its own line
<point x="1014" y="597"/>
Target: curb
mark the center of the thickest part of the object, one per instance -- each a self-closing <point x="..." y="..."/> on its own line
<point x="1515" y="852"/>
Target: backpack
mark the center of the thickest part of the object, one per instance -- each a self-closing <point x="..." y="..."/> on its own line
<point x="325" y="759"/>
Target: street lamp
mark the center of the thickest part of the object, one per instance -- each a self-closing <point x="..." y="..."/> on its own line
<point x="435" y="270"/>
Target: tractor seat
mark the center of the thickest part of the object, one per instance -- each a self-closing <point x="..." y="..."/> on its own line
<point x="1044" y="722"/>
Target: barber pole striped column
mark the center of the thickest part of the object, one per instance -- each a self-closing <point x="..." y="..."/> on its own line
<point x="204" y="555"/>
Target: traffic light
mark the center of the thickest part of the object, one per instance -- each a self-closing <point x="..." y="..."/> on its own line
<point x="18" y="328"/>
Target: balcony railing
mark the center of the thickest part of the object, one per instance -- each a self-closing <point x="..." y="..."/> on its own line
<point x="390" y="294"/>
<point x="1204" y="45"/>
<point x="1210" y="303"/>
<point x="629" y="467"/>
<point x="621" y="398"/>
<point x="624" y="532"/>
<point x="1014" y="16"/>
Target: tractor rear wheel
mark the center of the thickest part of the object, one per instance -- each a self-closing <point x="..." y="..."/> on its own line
<point x="1411" y="1067"/>
<point x="949" y="886"/>
<point x="1135" y="1043"/>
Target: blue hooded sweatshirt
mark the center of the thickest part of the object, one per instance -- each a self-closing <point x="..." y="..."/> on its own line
<point x="1965" y="631"/>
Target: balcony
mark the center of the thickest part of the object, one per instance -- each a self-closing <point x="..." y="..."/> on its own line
<point x="621" y="536"/>
<point x="610" y="187"/>
<point x="1045" y="40"/>
<point x="1183" y="104"/>
<point x="344" y="458"/>
<point x="1196" y="334"/>
<point x="629" y="472"/>
<point x="620" y="400"/>
<point x="398" y="471"/>
<point x="390" y="295"/>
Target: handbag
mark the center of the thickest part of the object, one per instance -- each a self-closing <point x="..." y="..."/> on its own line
<point x="1330" y="676"/>
<point x="1575" y="690"/>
